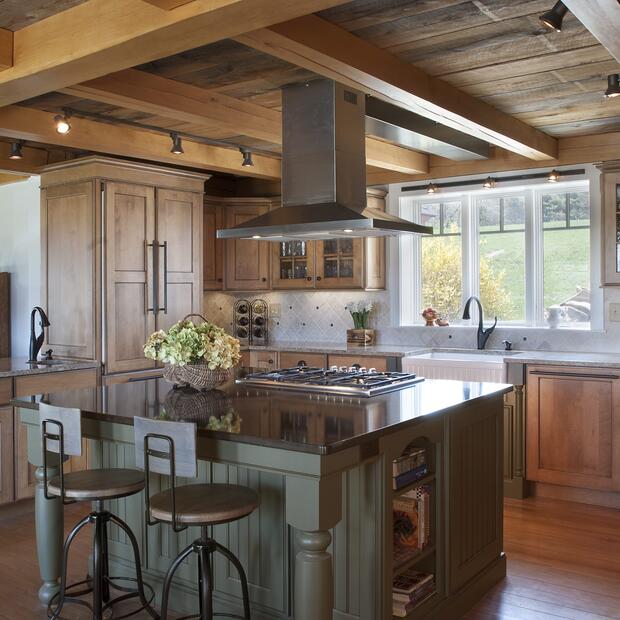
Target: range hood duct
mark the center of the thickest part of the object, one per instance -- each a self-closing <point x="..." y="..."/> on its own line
<point x="323" y="172"/>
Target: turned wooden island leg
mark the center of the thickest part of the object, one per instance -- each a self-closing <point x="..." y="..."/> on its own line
<point x="313" y="506"/>
<point x="49" y="527"/>
<point x="314" y="577"/>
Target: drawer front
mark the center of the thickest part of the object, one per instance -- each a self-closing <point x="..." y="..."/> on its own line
<point x="55" y="382"/>
<point x="264" y="359"/>
<point x="380" y="363"/>
<point x="130" y="377"/>
<point x="6" y="390"/>
<point x="288" y="359"/>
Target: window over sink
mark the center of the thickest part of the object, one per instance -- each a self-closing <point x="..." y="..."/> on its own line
<point x="525" y="251"/>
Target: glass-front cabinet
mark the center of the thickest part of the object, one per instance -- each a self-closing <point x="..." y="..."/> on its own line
<point x="293" y="264"/>
<point x="610" y="194"/>
<point x="339" y="263"/>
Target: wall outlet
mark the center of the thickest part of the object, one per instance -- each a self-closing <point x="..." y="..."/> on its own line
<point x="614" y="312"/>
<point x="275" y="311"/>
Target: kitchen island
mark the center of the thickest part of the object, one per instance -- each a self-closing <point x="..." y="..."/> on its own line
<point x="321" y="543"/>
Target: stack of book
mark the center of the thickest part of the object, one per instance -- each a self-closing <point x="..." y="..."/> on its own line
<point x="409" y="589"/>
<point x="411" y="522"/>
<point x="409" y="467"/>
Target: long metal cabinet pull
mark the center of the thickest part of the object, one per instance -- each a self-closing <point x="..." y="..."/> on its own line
<point x="154" y="282"/>
<point x="165" y="246"/>
<point x="579" y="375"/>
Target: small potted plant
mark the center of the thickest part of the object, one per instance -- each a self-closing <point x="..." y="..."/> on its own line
<point x="360" y="334"/>
<point x="201" y="356"/>
<point x="430" y="315"/>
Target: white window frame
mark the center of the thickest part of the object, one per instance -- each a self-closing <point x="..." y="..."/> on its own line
<point x="409" y="251"/>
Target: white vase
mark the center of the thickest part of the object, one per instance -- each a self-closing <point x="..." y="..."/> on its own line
<point x="554" y="316"/>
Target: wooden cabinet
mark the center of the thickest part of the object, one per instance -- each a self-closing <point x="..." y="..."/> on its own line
<point x="267" y="360"/>
<point x="6" y="455"/>
<point x="610" y="242"/>
<point x="122" y="256"/>
<point x="247" y="260"/>
<point x="213" y="248"/>
<point x="251" y="265"/>
<point x="288" y="359"/>
<point x="573" y="426"/>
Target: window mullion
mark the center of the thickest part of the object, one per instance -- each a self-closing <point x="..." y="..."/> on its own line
<point x="535" y="272"/>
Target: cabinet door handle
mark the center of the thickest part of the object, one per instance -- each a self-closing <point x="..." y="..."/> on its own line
<point x="220" y="279"/>
<point x="309" y="278"/>
<point x="318" y="277"/>
<point x="577" y="375"/>
<point x="165" y="246"/>
<point x="154" y="285"/>
<point x="263" y="279"/>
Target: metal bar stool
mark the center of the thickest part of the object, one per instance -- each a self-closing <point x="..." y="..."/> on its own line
<point x="61" y="433"/>
<point x="169" y="448"/>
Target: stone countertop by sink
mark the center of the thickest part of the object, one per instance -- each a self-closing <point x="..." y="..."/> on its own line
<point x="341" y="348"/>
<point x="17" y="366"/>
<point x="565" y="358"/>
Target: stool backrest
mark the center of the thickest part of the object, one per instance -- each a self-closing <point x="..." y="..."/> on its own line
<point x="158" y="437"/>
<point x="61" y="423"/>
<point x="167" y="448"/>
<point x="61" y="433"/>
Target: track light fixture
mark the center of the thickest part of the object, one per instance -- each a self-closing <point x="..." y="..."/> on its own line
<point x="613" y="85"/>
<point x="177" y="144"/>
<point x="554" y="176"/>
<point x="16" y="150"/>
<point x="63" y="126"/>
<point x="247" y="157"/>
<point x="553" y="19"/>
<point x="431" y="188"/>
<point x="489" y="183"/>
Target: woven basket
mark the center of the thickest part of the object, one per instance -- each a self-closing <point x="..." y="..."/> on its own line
<point x="188" y="405"/>
<point x="199" y="375"/>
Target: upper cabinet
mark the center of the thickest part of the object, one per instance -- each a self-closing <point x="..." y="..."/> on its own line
<point x="610" y="199"/>
<point x="213" y="248"/>
<point x="122" y="257"/>
<point x="261" y="265"/>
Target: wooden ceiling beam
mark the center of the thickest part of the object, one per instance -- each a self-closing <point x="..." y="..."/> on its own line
<point x="572" y="150"/>
<point x="37" y="126"/>
<point x="602" y="19"/>
<point x="6" y="49"/>
<point x="168" y="5"/>
<point x="145" y="92"/>
<point x="320" y="46"/>
<point x="32" y="159"/>
<point x="100" y="36"/>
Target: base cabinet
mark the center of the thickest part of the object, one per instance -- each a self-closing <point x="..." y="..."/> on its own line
<point x="573" y="426"/>
<point x="7" y="494"/>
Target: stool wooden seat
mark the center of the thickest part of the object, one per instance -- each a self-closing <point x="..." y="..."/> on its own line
<point x="94" y="484"/>
<point x="204" y="504"/>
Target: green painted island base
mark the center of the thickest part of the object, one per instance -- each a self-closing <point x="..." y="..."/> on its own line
<point x="319" y="547"/>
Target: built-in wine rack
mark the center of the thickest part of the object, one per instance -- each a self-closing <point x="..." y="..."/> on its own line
<point x="251" y="321"/>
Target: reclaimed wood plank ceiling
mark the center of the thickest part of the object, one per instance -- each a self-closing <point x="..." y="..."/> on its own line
<point x="17" y="14"/>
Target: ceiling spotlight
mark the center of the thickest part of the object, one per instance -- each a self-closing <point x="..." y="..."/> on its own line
<point x="431" y="188"/>
<point x="613" y="85"/>
<point x="16" y="150"/>
<point x="177" y="145"/>
<point x="247" y="157"/>
<point x="256" y="237"/>
<point x="347" y="230"/>
<point x="489" y="183"/>
<point x="63" y="126"/>
<point x="554" y="176"/>
<point x="553" y="19"/>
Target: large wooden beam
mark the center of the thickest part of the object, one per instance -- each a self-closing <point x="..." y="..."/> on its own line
<point x="168" y="5"/>
<point x="32" y="159"/>
<point x="38" y="126"/>
<point x="602" y="19"/>
<point x="316" y="44"/>
<point x="100" y="36"/>
<point x="172" y="99"/>
<point x="6" y="49"/>
<point x="572" y="150"/>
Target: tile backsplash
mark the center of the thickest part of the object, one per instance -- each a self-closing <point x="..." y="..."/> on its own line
<point x="304" y="315"/>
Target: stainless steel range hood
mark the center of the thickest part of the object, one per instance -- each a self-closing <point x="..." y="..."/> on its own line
<point x="323" y="172"/>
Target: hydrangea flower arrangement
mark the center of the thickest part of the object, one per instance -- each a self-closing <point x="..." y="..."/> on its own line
<point x="187" y="343"/>
<point x="360" y="312"/>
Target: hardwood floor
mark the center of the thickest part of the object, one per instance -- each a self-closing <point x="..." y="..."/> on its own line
<point x="563" y="562"/>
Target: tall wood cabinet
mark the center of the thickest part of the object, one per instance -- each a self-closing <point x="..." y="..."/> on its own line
<point x="249" y="265"/>
<point x="122" y="256"/>
<point x="610" y="200"/>
<point x="573" y="426"/>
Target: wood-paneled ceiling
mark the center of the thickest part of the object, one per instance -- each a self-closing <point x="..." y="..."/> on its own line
<point x="17" y="14"/>
<point x="498" y="51"/>
<point x="494" y="50"/>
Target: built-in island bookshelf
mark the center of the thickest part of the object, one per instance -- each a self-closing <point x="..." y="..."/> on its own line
<point x="416" y="579"/>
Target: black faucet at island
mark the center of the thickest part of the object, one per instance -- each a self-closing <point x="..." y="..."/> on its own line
<point x="37" y="342"/>
<point x="483" y="334"/>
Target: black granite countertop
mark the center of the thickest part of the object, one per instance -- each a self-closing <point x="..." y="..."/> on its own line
<point x="18" y="366"/>
<point x="316" y="423"/>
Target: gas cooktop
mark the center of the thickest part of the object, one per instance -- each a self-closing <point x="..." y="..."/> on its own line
<point x="350" y="381"/>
